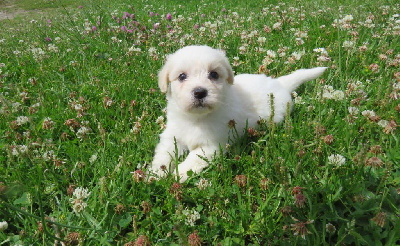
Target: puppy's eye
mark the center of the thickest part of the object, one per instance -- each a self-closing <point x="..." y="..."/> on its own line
<point x="213" y="75"/>
<point x="182" y="77"/>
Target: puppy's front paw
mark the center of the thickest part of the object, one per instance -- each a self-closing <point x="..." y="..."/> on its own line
<point x="182" y="176"/>
<point x="158" y="170"/>
<point x="183" y="170"/>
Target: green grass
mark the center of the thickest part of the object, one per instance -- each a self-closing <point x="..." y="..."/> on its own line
<point x="38" y="4"/>
<point x="92" y="103"/>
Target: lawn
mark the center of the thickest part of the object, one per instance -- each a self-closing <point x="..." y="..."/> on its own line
<point x="80" y="115"/>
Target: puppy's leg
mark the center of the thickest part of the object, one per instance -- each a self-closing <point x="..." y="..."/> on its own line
<point x="164" y="154"/>
<point x="195" y="161"/>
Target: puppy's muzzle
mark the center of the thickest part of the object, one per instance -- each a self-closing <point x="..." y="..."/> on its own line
<point x="200" y="93"/>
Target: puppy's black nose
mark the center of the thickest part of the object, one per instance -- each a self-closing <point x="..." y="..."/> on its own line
<point x="200" y="93"/>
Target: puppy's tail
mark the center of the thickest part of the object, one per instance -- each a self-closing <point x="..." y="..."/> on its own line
<point x="298" y="77"/>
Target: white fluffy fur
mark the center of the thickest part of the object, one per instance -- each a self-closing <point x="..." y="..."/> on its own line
<point x="201" y="125"/>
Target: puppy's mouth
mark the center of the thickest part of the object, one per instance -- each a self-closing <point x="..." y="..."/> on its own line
<point x="200" y="105"/>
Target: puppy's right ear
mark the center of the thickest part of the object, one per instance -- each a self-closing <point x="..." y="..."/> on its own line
<point x="163" y="77"/>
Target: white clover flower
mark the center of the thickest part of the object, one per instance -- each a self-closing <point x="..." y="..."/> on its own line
<point x="311" y="108"/>
<point x="49" y="155"/>
<point x="261" y="40"/>
<point x="191" y="216"/>
<point x="271" y="54"/>
<point x="299" y="41"/>
<point x="135" y="49"/>
<point x="298" y="100"/>
<point x="22" y="149"/>
<point x="136" y="128"/>
<point x="301" y="34"/>
<point x="213" y="26"/>
<point x="152" y="51"/>
<point x="338" y="95"/>
<point x="78" y="206"/>
<point x="369" y="23"/>
<point x="19" y="149"/>
<point x="14" y="151"/>
<point x="383" y="123"/>
<point x="353" y="110"/>
<point x="78" y="199"/>
<point x="297" y="55"/>
<point x="277" y="26"/>
<point x="109" y="103"/>
<point x="368" y="113"/>
<point x="48" y="123"/>
<point x="81" y="193"/>
<point x="160" y="120"/>
<point x="36" y="105"/>
<point x="259" y="50"/>
<point x="323" y="58"/>
<point x="93" y="158"/>
<point x="203" y="184"/>
<point x="329" y="93"/>
<point x="81" y="133"/>
<point x="329" y="90"/>
<point x="78" y="107"/>
<point x="22" y="120"/>
<point x="15" y="107"/>
<point x="3" y="225"/>
<point x="348" y="44"/>
<point x="37" y="53"/>
<point x="267" y="60"/>
<point x="357" y="86"/>
<point x="52" y="48"/>
<point x="336" y="159"/>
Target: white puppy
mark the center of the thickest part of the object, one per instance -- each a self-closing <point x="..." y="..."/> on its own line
<point x="204" y="99"/>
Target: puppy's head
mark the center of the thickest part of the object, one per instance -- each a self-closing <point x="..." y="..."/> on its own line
<point x="195" y="78"/>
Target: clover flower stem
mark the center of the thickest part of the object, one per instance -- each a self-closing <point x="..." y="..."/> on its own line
<point x="271" y="124"/>
<point x="135" y="228"/>
<point x="42" y="217"/>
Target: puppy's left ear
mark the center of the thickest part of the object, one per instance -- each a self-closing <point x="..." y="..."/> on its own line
<point x="163" y="77"/>
<point x="230" y="75"/>
<point x="227" y="67"/>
